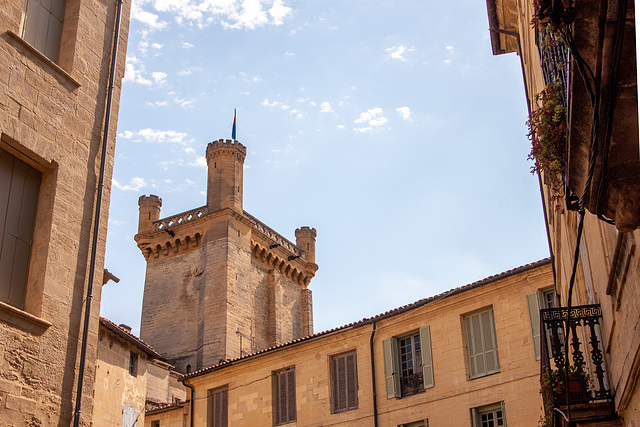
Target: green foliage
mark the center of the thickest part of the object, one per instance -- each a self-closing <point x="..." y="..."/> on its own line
<point x="548" y="135"/>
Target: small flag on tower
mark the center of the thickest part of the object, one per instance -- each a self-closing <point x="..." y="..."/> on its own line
<point x="233" y="129"/>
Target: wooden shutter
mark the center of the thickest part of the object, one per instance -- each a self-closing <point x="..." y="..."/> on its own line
<point x="474" y="418"/>
<point x="285" y="396"/>
<point x="533" y="303"/>
<point x="345" y="382"/>
<point x="391" y="367"/>
<point x="19" y="184"/>
<point x="42" y="27"/>
<point x="218" y="407"/>
<point x="129" y="416"/>
<point x="504" y="414"/>
<point x="427" y="361"/>
<point x="482" y="345"/>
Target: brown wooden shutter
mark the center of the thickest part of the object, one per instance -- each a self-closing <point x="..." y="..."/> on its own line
<point x="291" y="395"/>
<point x="42" y="27"/>
<point x="19" y="185"/>
<point x="218" y="407"/>
<point x="352" y="381"/>
<point x="285" y="396"/>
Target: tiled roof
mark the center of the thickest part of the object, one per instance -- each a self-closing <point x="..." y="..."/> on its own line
<point x="119" y="330"/>
<point x="369" y="320"/>
<point x="164" y="408"/>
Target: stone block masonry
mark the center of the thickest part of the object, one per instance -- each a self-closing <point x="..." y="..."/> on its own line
<point x="220" y="284"/>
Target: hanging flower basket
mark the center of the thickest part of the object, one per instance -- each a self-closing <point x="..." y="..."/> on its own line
<point x="548" y="135"/>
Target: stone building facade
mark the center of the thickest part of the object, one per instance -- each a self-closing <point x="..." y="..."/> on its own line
<point x="219" y="283"/>
<point x="588" y="54"/>
<point x="53" y="96"/>
<point x="466" y="357"/>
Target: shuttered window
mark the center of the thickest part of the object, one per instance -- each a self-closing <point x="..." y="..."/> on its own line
<point x="19" y="184"/>
<point x="42" y="26"/>
<point x="408" y="364"/>
<point x="284" y="396"/>
<point x="345" y="382"/>
<point x="218" y="407"/>
<point x="482" y="346"/>
<point x="129" y="416"/>
<point x="536" y="301"/>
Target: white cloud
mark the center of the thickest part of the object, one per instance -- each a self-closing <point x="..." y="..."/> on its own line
<point x="371" y="118"/>
<point x="237" y="14"/>
<point x="289" y="54"/>
<point x="449" y="48"/>
<point x="397" y="52"/>
<point x="187" y="45"/>
<point x="278" y="12"/>
<point x="156" y="136"/>
<point x="148" y="18"/>
<point x="190" y="150"/>
<point x="340" y="127"/>
<point x="156" y="45"/>
<point x="325" y="107"/>
<point x="200" y="162"/>
<point x="405" y="113"/>
<point x="159" y="77"/>
<point x="158" y="104"/>
<point x="184" y="72"/>
<point x="133" y="72"/>
<point x="135" y="184"/>
<point x="447" y="62"/>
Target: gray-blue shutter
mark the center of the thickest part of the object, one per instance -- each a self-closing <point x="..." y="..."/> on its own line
<point x="391" y="367"/>
<point x="427" y="360"/>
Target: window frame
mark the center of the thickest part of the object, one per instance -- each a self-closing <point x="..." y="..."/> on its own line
<point x="477" y="348"/>
<point x="133" y="364"/>
<point x="478" y="412"/>
<point x="284" y="396"/>
<point x="392" y="364"/>
<point x="223" y="394"/>
<point x="48" y="42"/>
<point x="535" y="302"/>
<point x="344" y="388"/>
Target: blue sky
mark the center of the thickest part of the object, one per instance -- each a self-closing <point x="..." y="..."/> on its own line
<point x="388" y="126"/>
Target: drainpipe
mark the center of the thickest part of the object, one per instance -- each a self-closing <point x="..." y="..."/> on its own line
<point x="191" y="403"/>
<point x="96" y="220"/>
<point x="373" y="377"/>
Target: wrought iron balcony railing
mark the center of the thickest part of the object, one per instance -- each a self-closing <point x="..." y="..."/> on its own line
<point x="583" y="383"/>
<point x="555" y="58"/>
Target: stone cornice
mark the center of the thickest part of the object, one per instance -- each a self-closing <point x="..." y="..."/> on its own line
<point x="301" y="274"/>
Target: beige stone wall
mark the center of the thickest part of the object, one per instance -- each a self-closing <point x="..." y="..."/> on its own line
<point x="596" y="270"/>
<point x="448" y="403"/>
<point x="114" y="385"/>
<point x="174" y="417"/>
<point x="51" y="117"/>
<point x="162" y="384"/>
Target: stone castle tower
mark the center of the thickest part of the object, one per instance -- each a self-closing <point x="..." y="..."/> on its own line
<point x="219" y="283"/>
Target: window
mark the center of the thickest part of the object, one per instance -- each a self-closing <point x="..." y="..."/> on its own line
<point x="155" y="423"/>
<point x="421" y="423"/>
<point x="217" y="407"/>
<point x="489" y="416"/>
<point x="42" y="26"/>
<point x="344" y="382"/>
<point x="133" y="364"/>
<point x="482" y="346"/>
<point x="284" y="396"/>
<point x="536" y="301"/>
<point x="408" y="365"/>
<point x="19" y="187"/>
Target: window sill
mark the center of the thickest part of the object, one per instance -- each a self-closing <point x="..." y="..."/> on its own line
<point x="16" y="38"/>
<point x="484" y="376"/>
<point x="22" y="319"/>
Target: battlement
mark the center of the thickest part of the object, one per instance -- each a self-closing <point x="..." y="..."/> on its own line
<point x="226" y="146"/>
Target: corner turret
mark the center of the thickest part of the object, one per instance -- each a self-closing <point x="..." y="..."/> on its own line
<point x="149" y="212"/>
<point x="306" y="240"/>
